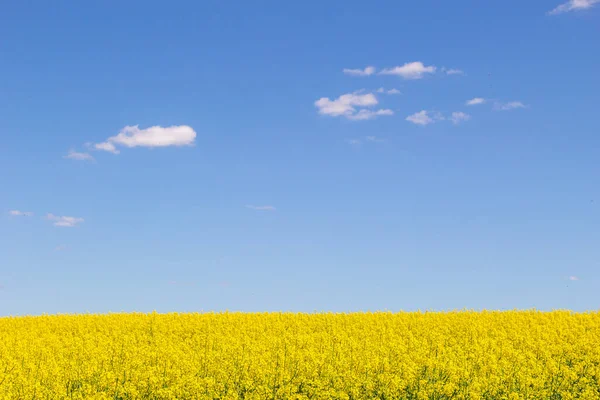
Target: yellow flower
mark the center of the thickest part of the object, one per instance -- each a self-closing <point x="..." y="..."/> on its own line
<point x="461" y="355"/>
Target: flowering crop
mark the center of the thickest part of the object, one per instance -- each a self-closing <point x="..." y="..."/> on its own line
<point x="383" y="355"/>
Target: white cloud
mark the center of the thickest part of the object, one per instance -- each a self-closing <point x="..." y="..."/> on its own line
<point x="476" y="100"/>
<point x="424" y="117"/>
<point x="509" y="106"/>
<point x="459" y="116"/>
<point x="107" y="146"/>
<point x="17" y="213"/>
<point x="74" y="155"/>
<point x="420" y="118"/>
<point x="365" y="114"/>
<point x="68" y="222"/>
<point x="261" y="208"/>
<point x="413" y="70"/>
<point x="367" y="139"/>
<point x="573" y="278"/>
<point x="60" y="247"/>
<point x="452" y="71"/>
<point x="360" y="72"/>
<point x="154" y="136"/>
<point x="346" y="105"/>
<point x="390" y="91"/>
<point x="573" y="5"/>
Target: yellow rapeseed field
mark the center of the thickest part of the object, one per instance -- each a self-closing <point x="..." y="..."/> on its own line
<point x="383" y="355"/>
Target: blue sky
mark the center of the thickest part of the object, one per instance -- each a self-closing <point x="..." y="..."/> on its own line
<point x="215" y="155"/>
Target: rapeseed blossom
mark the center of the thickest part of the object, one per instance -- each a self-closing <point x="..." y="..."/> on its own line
<point x="382" y="355"/>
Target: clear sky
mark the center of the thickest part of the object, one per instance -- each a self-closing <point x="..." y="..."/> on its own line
<point x="257" y="156"/>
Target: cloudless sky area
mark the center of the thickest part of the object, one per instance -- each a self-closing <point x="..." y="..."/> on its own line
<point x="290" y="197"/>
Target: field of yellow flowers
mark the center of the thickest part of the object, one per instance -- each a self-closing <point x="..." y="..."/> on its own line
<point x="383" y="355"/>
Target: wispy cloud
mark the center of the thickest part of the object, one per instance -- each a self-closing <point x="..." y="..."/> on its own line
<point x="424" y="117"/>
<point x="573" y="5"/>
<point x="261" y="208"/>
<point x="412" y="70"/>
<point x="360" y="72"/>
<point x="60" y="247"/>
<point x="346" y="106"/>
<point x="573" y="278"/>
<point x="17" y="213"/>
<point x="365" y="114"/>
<point x="367" y="139"/>
<point x="63" y="221"/>
<point x="475" y="101"/>
<point x="386" y="91"/>
<point x="511" y="105"/>
<point x="452" y="71"/>
<point x="75" y="155"/>
<point x="459" y="116"/>
<point x="107" y="146"/>
<point x="154" y="136"/>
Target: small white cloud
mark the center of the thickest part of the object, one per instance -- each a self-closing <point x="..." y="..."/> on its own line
<point x="360" y="72"/>
<point x="74" y="155"/>
<point x="17" y="213"/>
<point x="154" y="136"/>
<point x="413" y="70"/>
<point x="261" y="208"/>
<point x="61" y="247"/>
<point x="512" y="105"/>
<point x="573" y="5"/>
<point x="424" y="117"/>
<point x="365" y="114"/>
<point x="68" y="222"/>
<point x="453" y="71"/>
<point x="367" y="139"/>
<point x="346" y="106"/>
<point x="391" y="91"/>
<point x="573" y="278"/>
<point x="107" y="146"/>
<point x="420" y="118"/>
<point x="459" y="116"/>
<point x="476" y="100"/>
